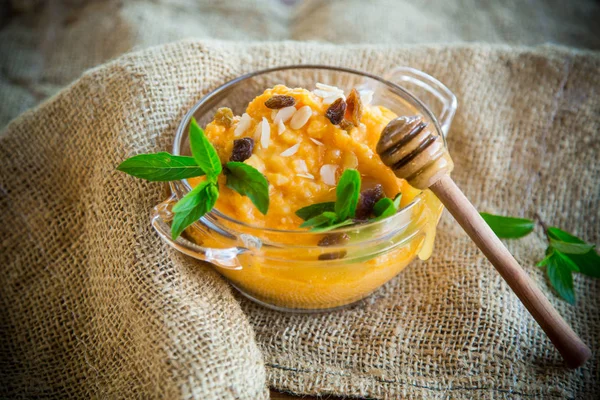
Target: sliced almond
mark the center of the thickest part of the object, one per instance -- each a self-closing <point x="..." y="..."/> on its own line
<point x="333" y="98"/>
<point x="265" y="137"/>
<point x="301" y="117"/>
<point x="306" y="175"/>
<point x="280" y="127"/>
<point x="242" y="125"/>
<point x="258" y="132"/>
<point x="300" y="166"/>
<point x="284" y="114"/>
<point x="328" y="88"/>
<point x="291" y="151"/>
<point x="327" y="172"/>
<point x="322" y="93"/>
<point x="366" y="96"/>
<point x="315" y="141"/>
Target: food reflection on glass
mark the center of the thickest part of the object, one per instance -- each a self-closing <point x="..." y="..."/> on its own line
<point x="297" y="182"/>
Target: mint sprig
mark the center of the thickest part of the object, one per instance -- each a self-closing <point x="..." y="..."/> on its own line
<point x="322" y="217"/>
<point x="565" y="253"/>
<point x="242" y="178"/>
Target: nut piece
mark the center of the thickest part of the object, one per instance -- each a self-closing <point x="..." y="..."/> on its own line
<point x="242" y="149"/>
<point x="301" y="117"/>
<point x="355" y="107"/>
<point x="280" y="101"/>
<point x="335" y="112"/>
<point x="367" y="201"/>
<point x="224" y="116"/>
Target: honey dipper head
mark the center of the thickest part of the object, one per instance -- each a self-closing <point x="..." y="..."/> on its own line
<point x="415" y="151"/>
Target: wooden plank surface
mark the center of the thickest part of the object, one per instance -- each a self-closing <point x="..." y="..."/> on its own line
<point x="275" y="395"/>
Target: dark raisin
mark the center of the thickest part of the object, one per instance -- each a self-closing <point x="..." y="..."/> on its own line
<point x="242" y="149"/>
<point x="279" y="101"/>
<point x="332" y="239"/>
<point x="354" y="107"/>
<point x="335" y="112"/>
<point x="333" y="256"/>
<point x="224" y="116"/>
<point x="346" y="125"/>
<point x="367" y="201"/>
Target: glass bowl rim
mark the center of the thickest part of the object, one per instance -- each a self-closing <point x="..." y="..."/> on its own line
<point x="208" y="96"/>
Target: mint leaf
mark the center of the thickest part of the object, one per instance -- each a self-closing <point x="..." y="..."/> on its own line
<point x="566" y="242"/>
<point x="397" y="200"/>
<point x="384" y="208"/>
<point x="203" y="151"/>
<point x="560" y="276"/>
<point x="334" y="226"/>
<point x="571" y="248"/>
<point x="544" y="262"/>
<point x="161" y="167"/>
<point x="508" y="227"/>
<point x="326" y="218"/>
<point x="566" y="260"/>
<point x="248" y="181"/>
<point x="563" y="236"/>
<point x="347" y="193"/>
<point x="313" y="210"/>
<point x="588" y="263"/>
<point x="193" y="205"/>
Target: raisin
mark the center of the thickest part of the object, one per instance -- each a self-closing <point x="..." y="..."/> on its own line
<point x="332" y="239"/>
<point x="224" y="116"/>
<point x="242" y="149"/>
<point x="279" y="101"/>
<point x="346" y="125"/>
<point x="332" y="256"/>
<point x="367" y="201"/>
<point x="335" y="112"/>
<point x="354" y="107"/>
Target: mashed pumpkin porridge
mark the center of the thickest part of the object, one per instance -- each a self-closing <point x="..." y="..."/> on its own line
<point x="303" y="141"/>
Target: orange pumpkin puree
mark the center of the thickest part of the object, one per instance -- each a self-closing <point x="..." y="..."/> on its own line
<point x="312" y="284"/>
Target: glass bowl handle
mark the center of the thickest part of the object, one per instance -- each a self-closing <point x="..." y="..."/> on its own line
<point x="161" y="218"/>
<point x="433" y="93"/>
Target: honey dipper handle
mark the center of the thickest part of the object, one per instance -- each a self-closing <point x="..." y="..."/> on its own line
<point x="570" y="346"/>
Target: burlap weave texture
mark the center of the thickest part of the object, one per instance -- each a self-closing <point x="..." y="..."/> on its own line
<point x="95" y="305"/>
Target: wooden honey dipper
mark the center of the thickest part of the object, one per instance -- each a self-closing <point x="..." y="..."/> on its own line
<point x="417" y="153"/>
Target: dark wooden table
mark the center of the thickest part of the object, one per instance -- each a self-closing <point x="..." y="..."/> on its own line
<point x="283" y="396"/>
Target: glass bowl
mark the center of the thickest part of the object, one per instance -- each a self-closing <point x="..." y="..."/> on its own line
<point x="285" y="269"/>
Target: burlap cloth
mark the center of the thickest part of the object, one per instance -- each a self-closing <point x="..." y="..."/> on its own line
<point x="95" y="305"/>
